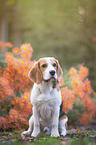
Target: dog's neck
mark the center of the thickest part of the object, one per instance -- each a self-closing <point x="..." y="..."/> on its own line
<point x="48" y="86"/>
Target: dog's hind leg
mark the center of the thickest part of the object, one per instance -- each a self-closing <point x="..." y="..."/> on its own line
<point x="63" y="125"/>
<point x="31" y="123"/>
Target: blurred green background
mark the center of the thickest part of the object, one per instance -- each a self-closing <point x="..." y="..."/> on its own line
<point x="65" y="29"/>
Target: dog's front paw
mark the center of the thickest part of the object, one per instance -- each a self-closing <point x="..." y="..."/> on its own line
<point x="63" y="133"/>
<point x="26" y="133"/>
<point x="35" y="133"/>
<point x="55" y="133"/>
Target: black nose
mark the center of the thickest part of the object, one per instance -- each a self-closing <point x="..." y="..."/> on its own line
<point x="52" y="72"/>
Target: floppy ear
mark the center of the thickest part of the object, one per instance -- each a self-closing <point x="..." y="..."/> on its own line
<point x="59" y="70"/>
<point x="35" y="74"/>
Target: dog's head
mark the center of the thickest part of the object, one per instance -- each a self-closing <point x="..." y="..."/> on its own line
<point x="45" y="69"/>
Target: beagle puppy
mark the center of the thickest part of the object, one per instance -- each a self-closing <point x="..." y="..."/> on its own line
<point x="46" y="99"/>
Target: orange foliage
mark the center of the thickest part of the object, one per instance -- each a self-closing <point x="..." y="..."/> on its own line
<point x="15" y="89"/>
<point x="3" y="45"/>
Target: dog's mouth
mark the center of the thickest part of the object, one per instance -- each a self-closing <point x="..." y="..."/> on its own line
<point x="52" y="78"/>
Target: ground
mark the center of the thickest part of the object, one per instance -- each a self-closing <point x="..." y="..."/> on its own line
<point x="78" y="135"/>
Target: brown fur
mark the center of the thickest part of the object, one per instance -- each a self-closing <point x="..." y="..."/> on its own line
<point x="41" y="62"/>
<point x="35" y="73"/>
<point x="56" y="85"/>
<point x="66" y="125"/>
<point x="59" y="70"/>
<point x="63" y="117"/>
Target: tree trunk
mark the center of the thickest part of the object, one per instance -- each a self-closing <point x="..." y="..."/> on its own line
<point x="4" y="37"/>
<point x="4" y="29"/>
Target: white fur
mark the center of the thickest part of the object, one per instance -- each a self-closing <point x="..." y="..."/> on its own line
<point x="62" y="127"/>
<point x="50" y="67"/>
<point x="46" y="102"/>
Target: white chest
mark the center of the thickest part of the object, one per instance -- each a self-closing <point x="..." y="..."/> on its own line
<point x="46" y="103"/>
<point x="45" y="99"/>
<point x="52" y="98"/>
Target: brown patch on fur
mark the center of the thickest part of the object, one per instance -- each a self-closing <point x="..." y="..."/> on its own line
<point x="42" y="62"/>
<point x="35" y="73"/>
<point x="59" y="70"/>
<point x="56" y="85"/>
<point x="66" y="125"/>
<point x="63" y="117"/>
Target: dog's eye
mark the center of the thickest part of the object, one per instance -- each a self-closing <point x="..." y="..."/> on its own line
<point x="54" y="64"/>
<point x="44" y="65"/>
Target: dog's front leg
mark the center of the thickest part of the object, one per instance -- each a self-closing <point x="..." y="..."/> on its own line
<point x="55" y="132"/>
<point x="36" y="129"/>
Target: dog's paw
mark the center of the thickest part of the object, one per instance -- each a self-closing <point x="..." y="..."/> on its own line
<point x="35" y="133"/>
<point x="26" y="133"/>
<point x="63" y="133"/>
<point x="55" y="133"/>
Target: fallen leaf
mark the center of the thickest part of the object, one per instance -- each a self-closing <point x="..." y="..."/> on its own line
<point x="93" y="136"/>
<point x="13" y="140"/>
<point x="11" y="134"/>
<point x="15" y="132"/>
<point x="30" y="138"/>
<point x="65" y="138"/>
<point x="23" y="136"/>
<point x="5" y="137"/>
<point x="65" y="142"/>
<point x="80" y="144"/>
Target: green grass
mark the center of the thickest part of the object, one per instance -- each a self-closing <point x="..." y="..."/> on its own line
<point x="12" y="143"/>
<point x="82" y="142"/>
<point x="47" y="141"/>
<point x="79" y="137"/>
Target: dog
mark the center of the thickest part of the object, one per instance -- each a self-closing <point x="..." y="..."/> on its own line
<point x="46" y="99"/>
